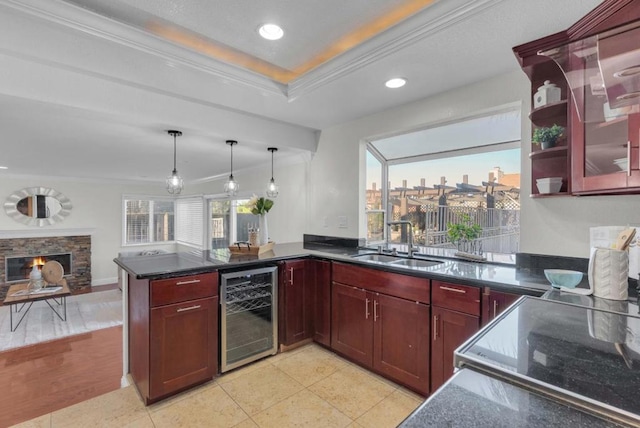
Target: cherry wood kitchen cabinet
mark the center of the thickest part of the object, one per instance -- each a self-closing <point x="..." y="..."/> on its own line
<point x="385" y="332"/>
<point x="595" y="63"/>
<point x="455" y="317"/>
<point x="173" y="333"/>
<point x="321" y="301"/>
<point x="296" y="291"/>
<point x="494" y="303"/>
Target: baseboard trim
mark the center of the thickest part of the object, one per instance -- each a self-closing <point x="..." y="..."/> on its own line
<point x="104" y="281"/>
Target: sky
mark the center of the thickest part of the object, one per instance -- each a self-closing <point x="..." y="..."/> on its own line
<point x="477" y="166"/>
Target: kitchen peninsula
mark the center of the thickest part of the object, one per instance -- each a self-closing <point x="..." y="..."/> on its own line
<point x="453" y="275"/>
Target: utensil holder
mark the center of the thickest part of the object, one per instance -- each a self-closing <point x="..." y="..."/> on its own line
<point x="609" y="273"/>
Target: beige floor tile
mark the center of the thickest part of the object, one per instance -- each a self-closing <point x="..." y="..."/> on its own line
<point x="116" y="409"/>
<point x="143" y="422"/>
<point x="43" y="421"/>
<point x="247" y="423"/>
<point x="211" y="408"/>
<point x="304" y="409"/>
<point x="390" y="411"/>
<point x="310" y="365"/>
<point x="261" y="389"/>
<point x="229" y="376"/>
<point x="352" y="391"/>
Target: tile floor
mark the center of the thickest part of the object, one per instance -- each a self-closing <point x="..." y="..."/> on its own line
<point x="306" y="387"/>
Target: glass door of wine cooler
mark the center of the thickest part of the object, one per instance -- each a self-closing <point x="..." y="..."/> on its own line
<point x="249" y="316"/>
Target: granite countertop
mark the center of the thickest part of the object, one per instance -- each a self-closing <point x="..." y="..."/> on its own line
<point x="499" y="276"/>
<point x="580" y="355"/>
<point x="472" y="399"/>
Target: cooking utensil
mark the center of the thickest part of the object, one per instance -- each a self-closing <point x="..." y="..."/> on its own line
<point x="624" y="239"/>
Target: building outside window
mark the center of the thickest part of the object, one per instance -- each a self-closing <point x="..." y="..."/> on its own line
<point x="462" y="172"/>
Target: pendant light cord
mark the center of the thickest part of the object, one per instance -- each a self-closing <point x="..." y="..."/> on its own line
<point x="174" y="153"/>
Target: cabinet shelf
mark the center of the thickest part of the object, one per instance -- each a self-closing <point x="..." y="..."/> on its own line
<point x="549" y="195"/>
<point x="549" y="114"/>
<point x="553" y="152"/>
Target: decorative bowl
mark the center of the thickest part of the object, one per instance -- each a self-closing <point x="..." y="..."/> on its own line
<point x="549" y="185"/>
<point x="563" y="278"/>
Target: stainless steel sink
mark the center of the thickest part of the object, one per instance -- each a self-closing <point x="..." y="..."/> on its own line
<point x="397" y="261"/>
<point x="378" y="258"/>
<point x="417" y="263"/>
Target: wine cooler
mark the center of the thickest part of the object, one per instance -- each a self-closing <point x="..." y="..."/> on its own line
<point x="249" y="316"/>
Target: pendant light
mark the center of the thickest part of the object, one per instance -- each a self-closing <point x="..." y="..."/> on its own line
<point x="231" y="186"/>
<point x="272" y="188"/>
<point x="174" y="181"/>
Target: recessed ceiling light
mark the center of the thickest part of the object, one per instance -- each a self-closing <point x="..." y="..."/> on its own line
<point x="271" y="32"/>
<point x="397" y="82"/>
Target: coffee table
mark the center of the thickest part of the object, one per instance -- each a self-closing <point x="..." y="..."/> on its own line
<point x="20" y="301"/>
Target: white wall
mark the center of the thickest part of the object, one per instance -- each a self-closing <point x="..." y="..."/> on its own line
<point x="95" y="206"/>
<point x="556" y="226"/>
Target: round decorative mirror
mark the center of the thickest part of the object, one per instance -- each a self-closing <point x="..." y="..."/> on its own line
<point x="37" y="206"/>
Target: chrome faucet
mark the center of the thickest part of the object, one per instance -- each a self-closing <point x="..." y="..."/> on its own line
<point x="411" y="249"/>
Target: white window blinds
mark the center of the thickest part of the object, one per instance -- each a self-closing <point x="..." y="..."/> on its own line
<point x="190" y="221"/>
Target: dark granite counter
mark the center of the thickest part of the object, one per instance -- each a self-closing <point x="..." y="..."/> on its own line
<point x="579" y="355"/>
<point x="472" y="399"/>
<point x="498" y="276"/>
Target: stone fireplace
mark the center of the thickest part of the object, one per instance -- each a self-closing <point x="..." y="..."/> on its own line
<point x="15" y="252"/>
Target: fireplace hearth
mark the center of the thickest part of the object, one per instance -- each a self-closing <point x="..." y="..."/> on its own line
<point x="17" y="268"/>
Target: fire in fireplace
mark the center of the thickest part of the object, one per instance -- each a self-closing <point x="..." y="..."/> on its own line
<point x="18" y="268"/>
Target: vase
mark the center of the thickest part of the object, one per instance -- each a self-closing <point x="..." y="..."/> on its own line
<point x="264" y="230"/>
<point x="547" y="144"/>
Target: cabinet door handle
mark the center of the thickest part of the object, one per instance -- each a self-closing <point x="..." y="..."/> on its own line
<point x="495" y="308"/>
<point x="189" y="308"/>
<point x="375" y="310"/>
<point x="291" y="277"/>
<point x="629" y="158"/>
<point x="366" y="309"/>
<point x="191" y="281"/>
<point x="455" y="290"/>
<point x="435" y="327"/>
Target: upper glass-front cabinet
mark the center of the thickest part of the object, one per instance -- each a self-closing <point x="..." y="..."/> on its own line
<point x="603" y="74"/>
<point x="598" y="61"/>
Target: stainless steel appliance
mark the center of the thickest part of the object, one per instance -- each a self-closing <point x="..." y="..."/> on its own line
<point x="249" y="316"/>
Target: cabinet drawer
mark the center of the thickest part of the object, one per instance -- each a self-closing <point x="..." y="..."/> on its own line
<point x="457" y="297"/>
<point x="180" y="289"/>
<point x="393" y="284"/>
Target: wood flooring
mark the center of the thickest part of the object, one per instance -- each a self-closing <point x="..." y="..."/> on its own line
<point x="40" y="378"/>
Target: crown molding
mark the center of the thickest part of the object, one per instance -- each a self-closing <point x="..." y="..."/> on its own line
<point x="350" y="62"/>
<point x="79" y="19"/>
<point x="83" y="20"/>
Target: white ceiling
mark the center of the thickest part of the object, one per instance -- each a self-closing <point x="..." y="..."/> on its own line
<point x="88" y="88"/>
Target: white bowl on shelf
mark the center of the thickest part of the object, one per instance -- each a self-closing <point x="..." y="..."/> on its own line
<point x="549" y="185"/>
<point x="621" y="163"/>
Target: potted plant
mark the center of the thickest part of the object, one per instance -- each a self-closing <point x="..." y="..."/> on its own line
<point x="547" y="136"/>
<point x="464" y="233"/>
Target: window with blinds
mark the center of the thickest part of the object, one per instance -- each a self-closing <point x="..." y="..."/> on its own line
<point x="148" y="220"/>
<point x="190" y="221"/>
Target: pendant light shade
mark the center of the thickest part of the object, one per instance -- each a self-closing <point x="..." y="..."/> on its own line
<point x="231" y="186"/>
<point x="175" y="183"/>
<point x="272" y="188"/>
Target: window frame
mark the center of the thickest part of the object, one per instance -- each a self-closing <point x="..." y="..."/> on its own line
<point x="151" y="200"/>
